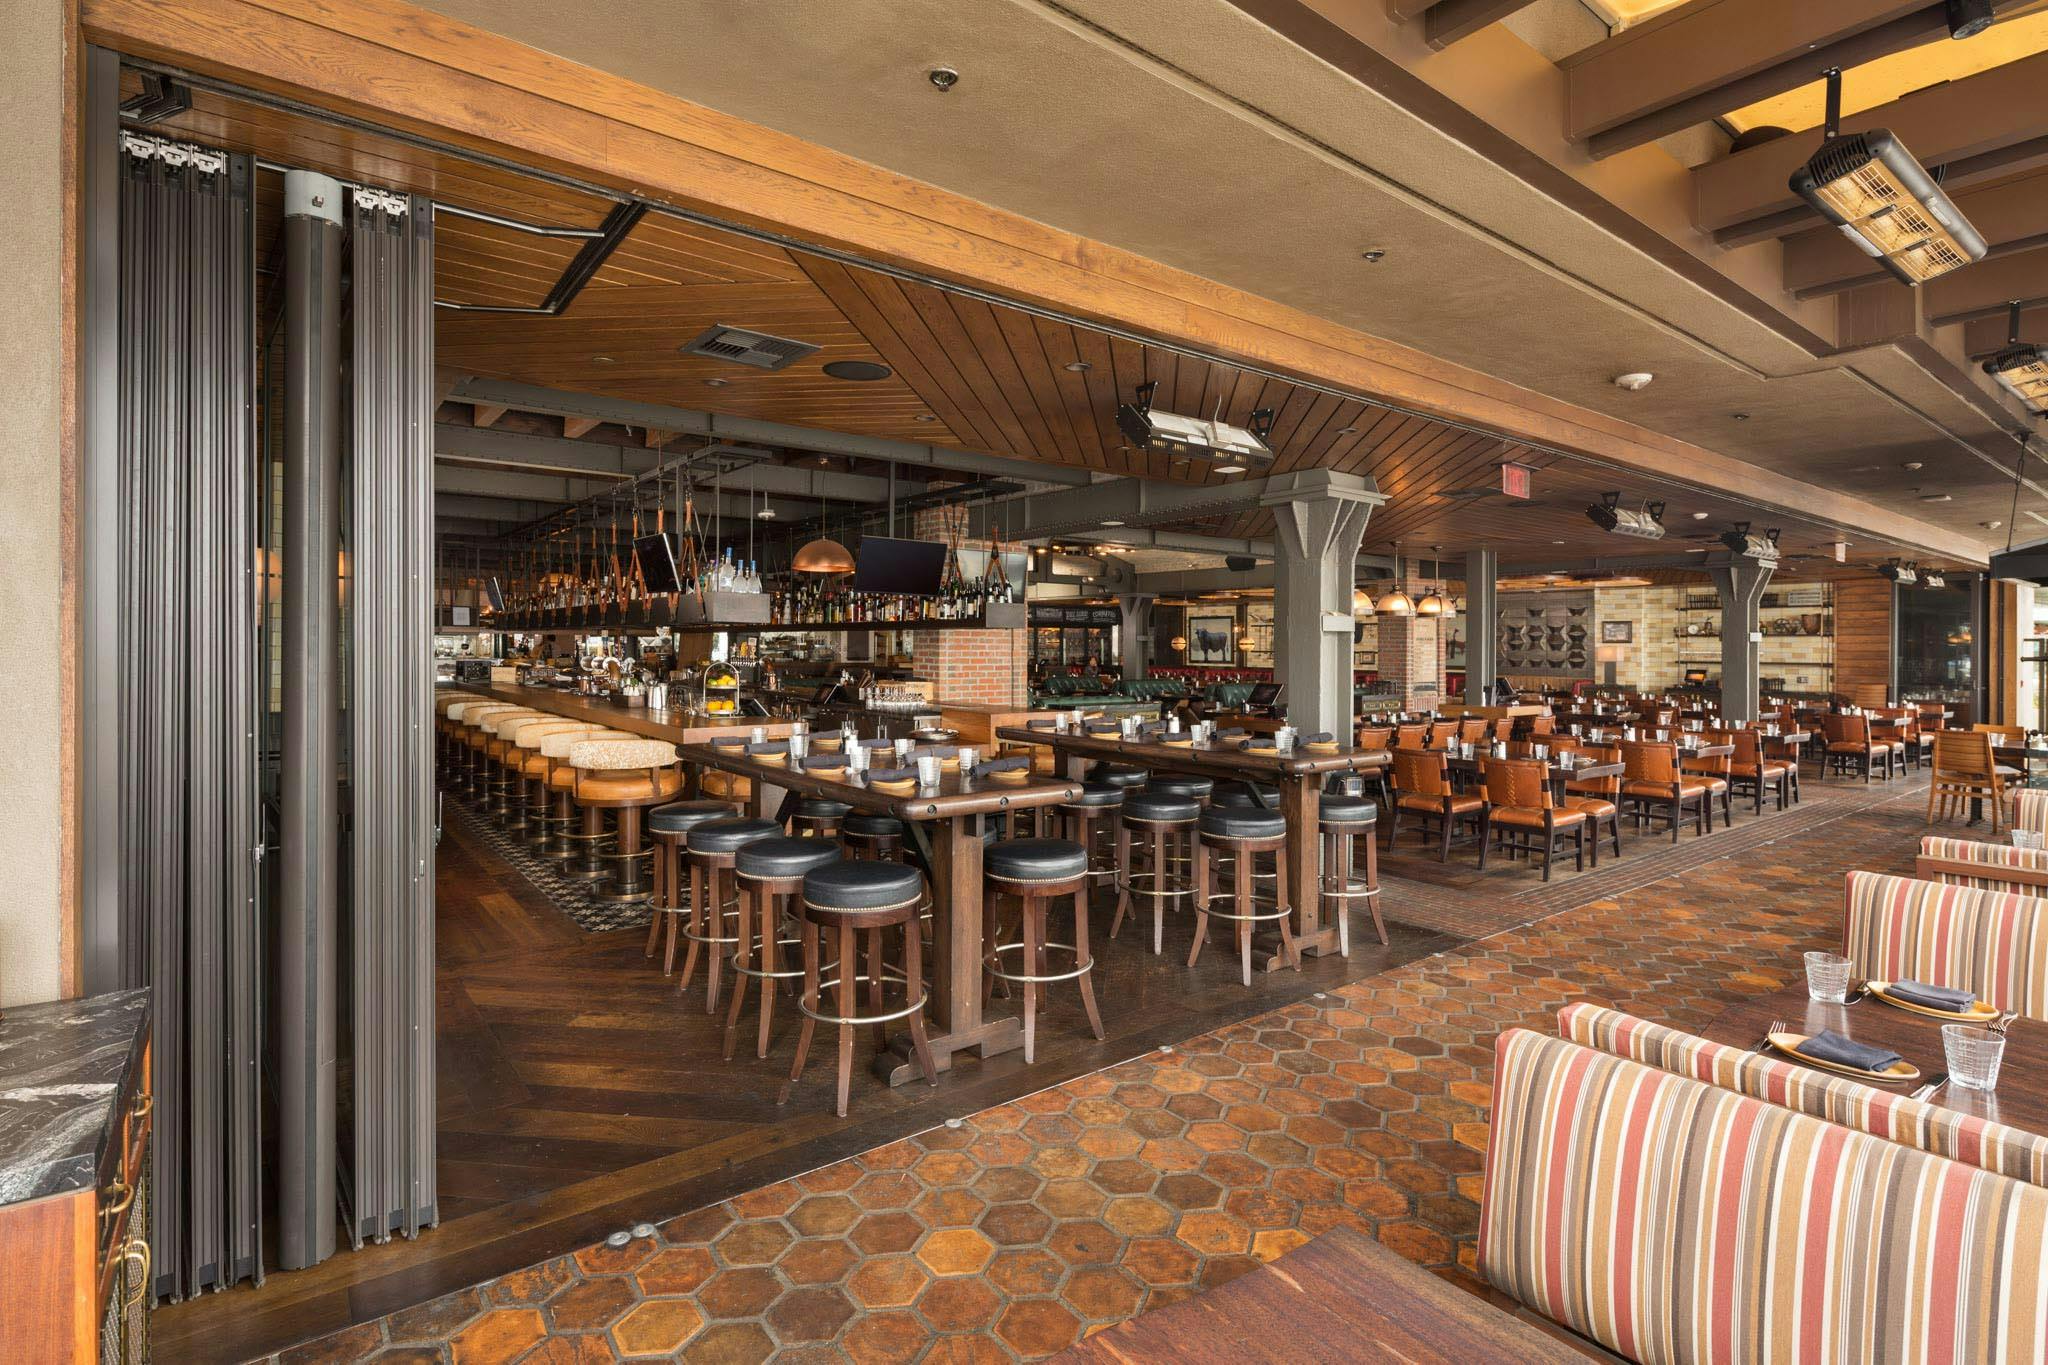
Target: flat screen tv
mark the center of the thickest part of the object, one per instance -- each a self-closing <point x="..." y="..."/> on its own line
<point x="884" y="564"/>
<point x="1263" y="695"/>
<point x="657" y="557"/>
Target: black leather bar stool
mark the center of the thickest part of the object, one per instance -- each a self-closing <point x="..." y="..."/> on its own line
<point x="816" y="818"/>
<point x="1342" y="822"/>
<point x="712" y="847"/>
<point x="669" y="827"/>
<point x="1087" y="817"/>
<point x="1160" y="821"/>
<point x="770" y="873"/>
<point x="1243" y="833"/>
<point x="1036" y="872"/>
<point x="1242" y="795"/>
<point x="845" y="899"/>
<point x="1109" y="774"/>
<point x="885" y="839"/>
<point x="1177" y="784"/>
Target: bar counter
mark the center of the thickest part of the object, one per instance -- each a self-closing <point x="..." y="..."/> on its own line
<point x="675" y="724"/>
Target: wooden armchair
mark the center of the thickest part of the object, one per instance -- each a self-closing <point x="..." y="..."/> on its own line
<point x="1519" y="812"/>
<point x="1964" y="771"/>
<point x="1654" y="787"/>
<point x="1422" y="788"/>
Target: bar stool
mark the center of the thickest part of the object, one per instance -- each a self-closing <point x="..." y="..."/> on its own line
<point x="769" y="873"/>
<point x="1085" y="817"/>
<point x="495" y="736"/>
<point x="844" y="899"/>
<point x="669" y="827"/>
<point x="469" y="778"/>
<point x="561" y="842"/>
<point x="1246" y="795"/>
<point x="1243" y="834"/>
<point x="1158" y="818"/>
<point x="449" y="707"/>
<point x="511" y="758"/>
<point x="626" y="777"/>
<point x="1109" y="774"/>
<point x="1176" y="784"/>
<point x="534" y="767"/>
<point x="712" y="848"/>
<point x="1036" y="872"/>
<point x="1341" y="821"/>
<point x="815" y="817"/>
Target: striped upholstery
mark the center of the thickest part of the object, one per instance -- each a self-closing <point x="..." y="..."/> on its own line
<point x="1984" y="941"/>
<point x="1839" y="1099"/>
<point x="1992" y="856"/>
<point x="2030" y="809"/>
<point x="1674" y="1221"/>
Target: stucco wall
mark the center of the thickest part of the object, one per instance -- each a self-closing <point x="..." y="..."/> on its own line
<point x="33" y="91"/>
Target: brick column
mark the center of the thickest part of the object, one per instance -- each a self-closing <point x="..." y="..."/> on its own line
<point x="1412" y="658"/>
<point x="986" y="667"/>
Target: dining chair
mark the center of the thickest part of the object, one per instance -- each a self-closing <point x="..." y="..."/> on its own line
<point x="1654" y="786"/>
<point x="1749" y="768"/>
<point x="1599" y="797"/>
<point x="1520" y="811"/>
<point x="1849" y="742"/>
<point x="1422" y="788"/>
<point x="1411" y="736"/>
<point x="1716" y="771"/>
<point x="1965" y="771"/>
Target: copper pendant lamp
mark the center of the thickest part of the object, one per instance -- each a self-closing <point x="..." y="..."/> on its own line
<point x="823" y="555"/>
<point x="1397" y="602"/>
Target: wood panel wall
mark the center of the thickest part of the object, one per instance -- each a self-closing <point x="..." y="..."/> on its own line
<point x="1863" y="639"/>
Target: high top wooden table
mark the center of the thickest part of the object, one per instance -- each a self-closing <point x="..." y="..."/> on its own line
<point x="1299" y="776"/>
<point x="946" y="824"/>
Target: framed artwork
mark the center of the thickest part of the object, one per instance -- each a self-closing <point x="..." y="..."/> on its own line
<point x="1212" y="639"/>
<point x="1617" y="632"/>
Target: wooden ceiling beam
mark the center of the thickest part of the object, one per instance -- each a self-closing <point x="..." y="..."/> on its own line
<point x="1979" y="127"/>
<point x="1450" y="20"/>
<point x="1986" y="335"/>
<point x="576" y="428"/>
<point x="1987" y="288"/>
<point x="1701" y="60"/>
<point x="486" y="414"/>
<point x="2012" y="214"/>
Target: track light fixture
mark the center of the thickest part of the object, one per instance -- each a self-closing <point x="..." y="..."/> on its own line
<point x="1898" y="572"/>
<point x="1741" y="541"/>
<point x="1881" y="197"/>
<point x="2021" y="369"/>
<point x="1645" y="523"/>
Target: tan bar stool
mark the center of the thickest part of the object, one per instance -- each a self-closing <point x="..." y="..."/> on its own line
<point x="1036" y="872"/>
<point x="558" y="827"/>
<point x="770" y="873"/>
<point x="448" y="707"/>
<point x="531" y="767"/>
<point x="1343" y="821"/>
<point x="713" y="848"/>
<point x="499" y="780"/>
<point x="669" y="827"/>
<point x="626" y="777"/>
<point x="510" y="757"/>
<point x="469" y="769"/>
<point x="845" y="899"/>
<point x="1243" y="833"/>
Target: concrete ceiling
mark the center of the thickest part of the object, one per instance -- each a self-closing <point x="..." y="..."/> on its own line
<point x="1196" y="135"/>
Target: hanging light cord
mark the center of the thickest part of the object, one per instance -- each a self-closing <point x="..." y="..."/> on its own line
<point x="2019" y="470"/>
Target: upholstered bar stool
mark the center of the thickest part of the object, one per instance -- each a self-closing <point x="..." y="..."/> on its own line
<point x="530" y="770"/>
<point x="712" y="848"/>
<point x="1244" y="795"/>
<point x="1159" y="821"/>
<point x="668" y="827"/>
<point x="496" y="790"/>
<point x="885" y="839"/>
<point x="448" y="707"/>
<point x="469" y="762"/>
<point x="1243" y="834"/>
<point x="1037" y="872"/>
<point x="626" y="777"/>
<point x="814" y="817"/>
<point x="770" y="874"/>
<point x="560" y="840"/>
<point x="510" y="757"/>
<point x="1342" y="822"/>
<point x="844" y="900"/>
<point x="1088" y="817"/>
<point x="1123" y="775"/>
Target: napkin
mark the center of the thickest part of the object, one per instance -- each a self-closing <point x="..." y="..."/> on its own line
<point x="1040" y="724"/>
<point x="936" y="751"/>
<point x="1262" y="742"/>
<point x="770" y="746"/>
<point x="1830" y="1046"/>
<point x="1319" y="737"/>
<point x="1232" y="733"/>
<point x="727" y="742"/>
<point x="835" y="762"/>
<point x="892" y="774"/>
<point x="1932" y="997"/>
<point x="1095" y="729"/>
<point x="1002" y="765"/>
<point x="878" y="744"/>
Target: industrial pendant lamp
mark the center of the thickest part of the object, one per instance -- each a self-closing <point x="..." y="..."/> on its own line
<point x="1396" y="603"/>
<point x="822" y="555"/>
<point x="1432" y="603"/>
<point x="1361" y="602"/>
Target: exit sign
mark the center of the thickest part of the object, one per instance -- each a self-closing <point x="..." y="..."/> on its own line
<point x="1514" y="480"/>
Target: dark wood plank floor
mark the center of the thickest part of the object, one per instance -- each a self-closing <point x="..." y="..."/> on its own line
<point x="579" y="1094"/>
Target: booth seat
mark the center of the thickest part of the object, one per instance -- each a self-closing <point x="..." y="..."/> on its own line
<point x="1990" y="942"/>
<point x="1669" y="1220"/>
<point x="1887" y="1114"/>
<point x="1152" y="689"/>
<point x="1227" y="696"/>
<point x="1983" y="866"/>
<point x="2030" y="809"/>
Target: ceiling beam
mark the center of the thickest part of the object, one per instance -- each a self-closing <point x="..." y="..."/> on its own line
<point x="514" y="500"/>
<point x="1450" y="20"/>
<point x="1985" y="335"/>
<point x="1979" y="127"/>
<point x="1151" y="538"/>
<point x="576" y="428"/>
<point x="1987" y="288"/>
<point x="2012" y="215"/>
<point x="1701" y="60"/>
<point x="486" y="414"/>
<point x="1150" y="502"/>
<point x="688" y="421"/>
<point x="600" y="460"/>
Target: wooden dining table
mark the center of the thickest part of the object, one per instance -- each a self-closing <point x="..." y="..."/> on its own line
<point x="2021" y="1098"/>
<point x="946" y="824"/>
<point x="1299" y="775"/>
<point x="1560" y="769"/>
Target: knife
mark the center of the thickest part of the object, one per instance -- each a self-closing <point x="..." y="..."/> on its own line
<point x="1927" y="1090"/>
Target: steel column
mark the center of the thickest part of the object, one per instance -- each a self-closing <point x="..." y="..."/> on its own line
<point x="1482" y="625"/>
<point x="1320" y="517"/>
<point x="309" y="830"/>
<point x="1134" y="633"/>
<point x="1740" y="582"/>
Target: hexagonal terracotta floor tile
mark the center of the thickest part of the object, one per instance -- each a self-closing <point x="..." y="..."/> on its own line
<point x="884" y="1338"/>
<point x="823" y="1260"/>
<point x="590" y="1305"/>
<point x="676" y="1270"/>
<point x="732" y="1343"/>
<point x="1160" y="1261"/>
<point x="1138" y="1216"/>
<point x="824" y="1215"/>
<point x="739" y="1293"/>
<point x="1016" y="1224"/>
<point x="956" y="1251"/>
<point x="877" y="1234"/>
<point x="961" y="1304"/>
<point x="814" y="1314"/>
<point x="1214" y="1232"/>
<point x="1025" y="1272"/>
<point x="657" y="1327"/>
<point x="887" y="1281"/>
<point x="754" y="1243"/>
<point x="500" y="1335"/>
<point x="1038" y="1327"/>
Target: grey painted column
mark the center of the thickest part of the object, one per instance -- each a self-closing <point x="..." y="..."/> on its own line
<point x="1482" y="625"/>
<point x="1740" y="582"/>
<point x="309" y="833"/>
<point x="1320" y="517"/>
<point x="1134" y="634"/>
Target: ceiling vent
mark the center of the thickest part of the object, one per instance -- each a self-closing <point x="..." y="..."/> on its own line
<point x="738" y="346"/>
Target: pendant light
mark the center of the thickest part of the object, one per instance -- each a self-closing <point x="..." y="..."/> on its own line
<point x="1396" y="603"/>
<point x="1361" y="602"/>
<point x="822" y="555"/>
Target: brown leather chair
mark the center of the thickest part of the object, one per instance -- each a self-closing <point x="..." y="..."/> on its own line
<point x="1849" y="741"/>
<point x="1750" y="770"/>
<point x="1519" y="810"/>
<point x="1411" y="736"/>
<point x="1715" y="771"/>
<point x="1473" y="730"/>
<point x="1422" y="788"/>
<point x="1598" y="797"/>
<point x="1652" y="784"/>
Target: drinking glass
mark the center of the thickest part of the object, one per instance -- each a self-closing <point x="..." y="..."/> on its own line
<point x="799" y="745"/>
<point x="2026" y="838"/>
<point x="968" y="759"/>
<point x="759" y="734"/>
<point x="928" y="770"/>
<point x="1974" y="1053"/>
<point x="1827" y="977"/>
<point x="903" y="748"/>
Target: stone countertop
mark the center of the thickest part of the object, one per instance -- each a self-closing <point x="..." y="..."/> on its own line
<point x="64" y="1069"/>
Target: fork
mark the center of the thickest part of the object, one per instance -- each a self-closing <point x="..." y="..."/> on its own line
<point x="1763" y="1043"/>
<point x="2004" y="1022"/>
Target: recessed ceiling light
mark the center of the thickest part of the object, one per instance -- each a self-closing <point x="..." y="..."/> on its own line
<point x="1635" y="381"/>
<point x="1373" y="255"/>
<point x="859" y="371"/>
<point x="1738" y="416"/>
<point x="926" y="417"/>
<point x="1700" y="516"/>
<point x="718" y="383"/>
<point x="1078" y="367"/>
<point x="602" y="360"/>
<point x="1557" y="542"/>
<point x="1230" y="469"/>
<point x="1346" y="431"/>
<point x="1112" y="521"/>
<point x="1911" y="464"/>
<point x="1936" y="497"/>
<point x="943" y="77"/>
